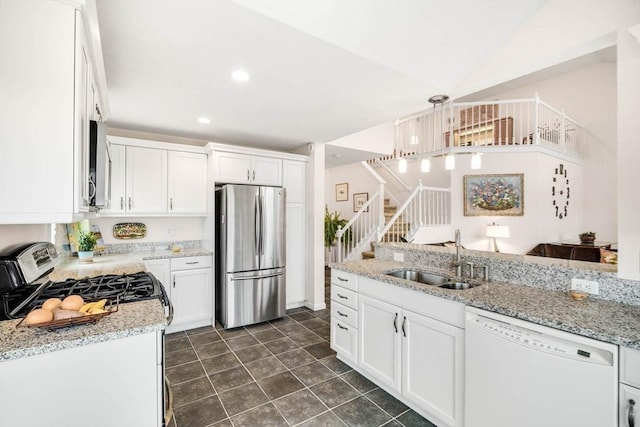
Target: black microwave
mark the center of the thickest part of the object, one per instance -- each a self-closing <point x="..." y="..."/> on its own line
<point x="99" y="166"/>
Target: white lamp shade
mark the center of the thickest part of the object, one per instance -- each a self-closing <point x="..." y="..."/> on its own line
<point x="449" y="162"/>
<point x="402" y="166"/>
<point x="425" y="165"/>
<point x="414" y="140"/>
<point x="498" y="231"/>
<point x="476" y="161"/>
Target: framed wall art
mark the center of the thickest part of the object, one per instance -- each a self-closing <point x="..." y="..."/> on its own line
<point x="359" y="199"/>
<point x="494" y="195"/>
<point x="342" y="192"/>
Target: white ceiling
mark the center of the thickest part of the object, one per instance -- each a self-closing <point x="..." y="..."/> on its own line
<point x="319" y="70"/>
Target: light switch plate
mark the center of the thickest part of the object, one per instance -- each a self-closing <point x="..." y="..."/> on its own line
<point x="398" y="256"/>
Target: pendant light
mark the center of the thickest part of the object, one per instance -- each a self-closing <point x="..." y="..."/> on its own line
<point x="476" y="161"/>
<point x="402" y="166"/>
<point x="425" y="165"/>
<point x="449" y="162"/>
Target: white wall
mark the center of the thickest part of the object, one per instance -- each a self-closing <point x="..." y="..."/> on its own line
<point x="186" y="228"/>
<point x="539" y="223"/>
<point x="588" y="95"/>
<point x="14" y="234"/>
<point x="377" y="139"/>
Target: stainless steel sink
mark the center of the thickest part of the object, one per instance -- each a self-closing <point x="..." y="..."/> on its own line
<point x="420" y="276"/>
<point x="457" y="285"/>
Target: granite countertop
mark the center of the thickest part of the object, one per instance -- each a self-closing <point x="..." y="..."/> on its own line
<point x="128" y="263"/>
<point x="594" y="318"/>
<point x="131" y="319"/>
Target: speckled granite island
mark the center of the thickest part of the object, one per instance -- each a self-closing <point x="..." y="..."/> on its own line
<point x="603" y="320"/>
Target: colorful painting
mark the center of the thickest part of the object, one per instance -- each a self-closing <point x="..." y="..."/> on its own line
<point x="494" y="195"/>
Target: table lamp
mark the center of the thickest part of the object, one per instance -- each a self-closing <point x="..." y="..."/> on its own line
<point x="495" y="230"/>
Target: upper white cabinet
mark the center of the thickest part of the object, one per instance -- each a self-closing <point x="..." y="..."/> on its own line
<point x="241" y="168"/>
<point x="294" y="179"/>
<point x="156" y="181"/>
<point x="187" y="183"/>
<point x="47" y="96"/>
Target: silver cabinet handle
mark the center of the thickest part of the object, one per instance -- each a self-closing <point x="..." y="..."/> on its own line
<point x="342" y="280"/>
<point x="121" y="203"/>
<point x="174" y="281"/>
<point x="254" y="175"/>
<point x="631" y="413"/>
<point x="171" y="203"/>
<point x="192" y="262"/>
<point x="404" y="320"/>
<point x="395" y="323"/>
<point x="129" y="203"/>
<point x="342" y="314"/>
<point x="342" y="327"/>
<point x="248" y="175"/>
<point x="343" y="297"/>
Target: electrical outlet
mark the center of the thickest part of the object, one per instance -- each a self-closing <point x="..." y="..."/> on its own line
<point x="583" y="285"/>
<point x="171" y="231"/>
<point x="398" y="256"/>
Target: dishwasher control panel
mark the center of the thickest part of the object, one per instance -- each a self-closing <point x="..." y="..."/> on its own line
<point x="541" y="342"/>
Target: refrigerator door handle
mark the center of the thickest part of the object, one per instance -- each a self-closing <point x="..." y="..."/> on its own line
<point x="256" y="222"/>
<point x="255" y="276"/>
<point x="261" y="249"/>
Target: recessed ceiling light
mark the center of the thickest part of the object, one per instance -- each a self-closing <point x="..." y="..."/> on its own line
<point x="204" y="120"/>
<point x="240" y="76"/>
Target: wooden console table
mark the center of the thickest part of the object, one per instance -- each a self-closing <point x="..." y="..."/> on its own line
<point x="493" y="132"/>
<point x="577" y="243"/>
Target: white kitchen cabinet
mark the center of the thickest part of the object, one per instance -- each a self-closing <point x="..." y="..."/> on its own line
<point x="123" y="375"/>
<point x="161" y="269"/>
<point x="191" y="292"/>
<point x="409" y="343"/>
<point x="238" y="168"/>
<point x="294" y="179"/>
<point x="629" y="393"/>
<point x="187" y="182"/>
<point x="379" y="341"/>
<point x="296" y="254"/>
<point x="156" y="181"/>
<point x="146" y="180"/>
<point x="46" y="74"/>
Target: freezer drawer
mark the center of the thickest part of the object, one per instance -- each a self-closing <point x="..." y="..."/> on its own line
<point x="246" y="298"/>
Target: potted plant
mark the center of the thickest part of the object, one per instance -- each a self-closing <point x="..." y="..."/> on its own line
<point x="587" y="237"/>
<point x="87" y="241"/>
<point x="332" y="223"/>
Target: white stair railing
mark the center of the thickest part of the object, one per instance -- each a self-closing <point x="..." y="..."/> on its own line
<point x="358" y="233"/>
<point x="426" y="206"/>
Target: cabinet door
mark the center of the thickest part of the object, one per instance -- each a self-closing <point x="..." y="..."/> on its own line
<point x="380" y="341"/>
<point x="294" y="179"/>
<point x="232" y="167"/>
<point x="81" y="118"/>
<point x="118" y="176"/>
<point x="432" y="366"/>
<point x="266" y="171"/>
<point x="161" y="269"/>
<point x="191" y="296"/>
<point x="344" y="340"/>
<point x="187" y="183"/>
<point x="628" y="414"/>
<point x="146" y="180"/>
<point x="295" y="241"/>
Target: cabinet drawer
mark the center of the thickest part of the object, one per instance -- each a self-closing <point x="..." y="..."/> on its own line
<point x="630" y="366"/>
<point x="346" y="280"/>
<point x="190" y="263"/>
<point x="344" y="296"/>
<point x="344" y="314"/>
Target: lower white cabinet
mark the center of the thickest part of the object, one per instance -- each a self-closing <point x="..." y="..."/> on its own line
<point x="629" y="393"/>
<point x="191" y="293"/>
<point x="111" y="383"/>
<point x="296" y="254"/>
<point x="409" y="343"/>
<point x="189" y="285"/>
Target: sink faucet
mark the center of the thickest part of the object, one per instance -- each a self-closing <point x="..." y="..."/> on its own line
<point x="458" y="262"/>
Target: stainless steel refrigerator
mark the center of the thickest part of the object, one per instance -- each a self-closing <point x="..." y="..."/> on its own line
<point x="250" y="254"/>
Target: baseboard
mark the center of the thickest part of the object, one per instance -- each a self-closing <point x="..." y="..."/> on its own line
<point x="295" y="304"/>
<point x="316" y="307"/>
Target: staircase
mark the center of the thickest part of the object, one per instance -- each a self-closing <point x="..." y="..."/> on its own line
<point x="396" y="232"/>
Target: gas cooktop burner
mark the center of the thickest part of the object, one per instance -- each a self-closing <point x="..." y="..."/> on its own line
<point x="127" y="288"/>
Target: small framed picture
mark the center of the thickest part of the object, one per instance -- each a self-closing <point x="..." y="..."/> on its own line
<point x="359" y="199"/>
<point x="342" y="192"/>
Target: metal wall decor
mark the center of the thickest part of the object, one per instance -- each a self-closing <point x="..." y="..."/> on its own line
<point x="560" y="191"/>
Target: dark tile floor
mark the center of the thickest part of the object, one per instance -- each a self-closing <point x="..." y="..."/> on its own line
<point x="279" y="373"/>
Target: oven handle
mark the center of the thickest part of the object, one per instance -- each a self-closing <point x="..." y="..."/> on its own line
<point x="170" y="316"/>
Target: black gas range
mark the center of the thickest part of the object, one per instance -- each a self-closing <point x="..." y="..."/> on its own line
<point x="17" y="297"/>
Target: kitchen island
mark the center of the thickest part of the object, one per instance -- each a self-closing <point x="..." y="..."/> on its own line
<point x="603" y="320"/>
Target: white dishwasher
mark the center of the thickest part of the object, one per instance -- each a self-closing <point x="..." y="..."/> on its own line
<point x="521" y="374"/>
